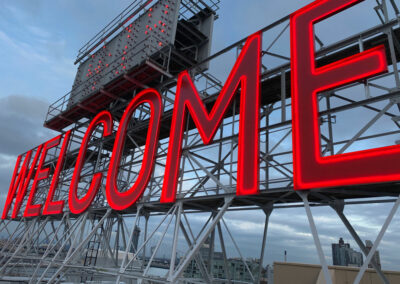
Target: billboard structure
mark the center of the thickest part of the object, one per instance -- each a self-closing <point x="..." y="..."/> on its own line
<point x="149" y="137"/>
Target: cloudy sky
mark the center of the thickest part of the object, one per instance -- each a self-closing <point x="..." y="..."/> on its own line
<point x="39" y="41"/>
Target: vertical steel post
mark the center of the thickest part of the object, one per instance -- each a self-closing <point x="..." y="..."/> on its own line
<point x="304" y="197"/>
<point x="267" y="211"/>
<point x="283" y="95"/>
<point x="122" y="267"/>
<point x="175" y="239"/>
<point x="221" y="239"/>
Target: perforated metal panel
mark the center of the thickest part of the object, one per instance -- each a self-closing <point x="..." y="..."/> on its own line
<point x="138" y="40"/>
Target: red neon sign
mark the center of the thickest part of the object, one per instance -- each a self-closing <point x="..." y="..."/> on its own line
<point x="52" y="207"/>
<point x="122" y="200"/>
<point x="310" y="168"/>
<point x="32" y="210"/>
<point x="78" y="205"/>
<point x="18" y="182"/>
<point x="245" y="72"/>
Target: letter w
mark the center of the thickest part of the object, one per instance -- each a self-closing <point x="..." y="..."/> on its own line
<point x="20" y="181"/>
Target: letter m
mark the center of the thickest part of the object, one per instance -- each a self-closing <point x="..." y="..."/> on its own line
<point x="246" y="73"/>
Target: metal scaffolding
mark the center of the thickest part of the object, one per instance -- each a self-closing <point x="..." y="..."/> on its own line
<point x="104" y="245"/>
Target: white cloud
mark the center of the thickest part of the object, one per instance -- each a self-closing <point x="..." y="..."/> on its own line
<point x="7" y="161"/>
<point x="21" y="48"/>
<point x="39" y="32"/>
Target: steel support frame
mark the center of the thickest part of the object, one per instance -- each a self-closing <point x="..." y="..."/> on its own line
<point x="200" y="176"/>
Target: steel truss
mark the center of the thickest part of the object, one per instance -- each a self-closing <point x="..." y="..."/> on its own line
<point x="102" y="244"/>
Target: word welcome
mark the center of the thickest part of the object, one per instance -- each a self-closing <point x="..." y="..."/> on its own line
<point x="310" y="168"/>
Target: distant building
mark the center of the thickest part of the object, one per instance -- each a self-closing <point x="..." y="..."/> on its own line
<point x="236" y="266"/>
<point x="135" y="239"/>
<point x="344" y="255"/>
<point x="301" y="273"/>
<point x="270" y="274"/>
<point x="376" y="258"/>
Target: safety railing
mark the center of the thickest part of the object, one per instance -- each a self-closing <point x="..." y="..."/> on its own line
<point x="63" y="104"/>
<point x="132" y="12"/>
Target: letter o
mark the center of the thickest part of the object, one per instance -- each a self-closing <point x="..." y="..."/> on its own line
<point x="121" y="200"/>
